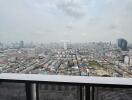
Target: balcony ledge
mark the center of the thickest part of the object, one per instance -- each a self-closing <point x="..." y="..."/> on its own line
<point x="66" y="79"/>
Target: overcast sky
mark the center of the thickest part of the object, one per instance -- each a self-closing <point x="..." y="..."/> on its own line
<point x="56" y="20"/>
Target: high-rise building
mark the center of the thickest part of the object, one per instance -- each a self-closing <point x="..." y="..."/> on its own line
<point x="1" y="45"/>
<point x="66" y="44"/>
<point x="21" y="44"/>
<point x="122" y="43"/>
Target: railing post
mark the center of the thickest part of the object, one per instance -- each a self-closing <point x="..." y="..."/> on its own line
<point x="28" y="91"/>
<point x="37" y="91"/>
<point x="87" y="92"/>
<point x="93" y="92"/>
<point x="81" y="93"/>
<point x="31" y="91"/>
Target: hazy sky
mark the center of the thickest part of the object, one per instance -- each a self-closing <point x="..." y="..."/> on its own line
<point x="56" y="20"/>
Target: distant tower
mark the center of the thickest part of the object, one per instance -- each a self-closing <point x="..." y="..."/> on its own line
<point x="122" y="43"/>
<point x="66" y="44"/>
<point x="1" y="45"/>
<point x="21" y="44"/>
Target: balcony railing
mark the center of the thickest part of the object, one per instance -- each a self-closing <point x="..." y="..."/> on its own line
<point x="56" y="87"/>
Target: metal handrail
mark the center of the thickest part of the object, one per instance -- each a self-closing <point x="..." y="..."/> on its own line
<point x="66" y="79"/>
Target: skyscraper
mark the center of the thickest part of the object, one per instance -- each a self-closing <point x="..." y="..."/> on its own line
<point x="21" y="44"/>
<point x="66" y="44"/>
<point x="122" y="43"/>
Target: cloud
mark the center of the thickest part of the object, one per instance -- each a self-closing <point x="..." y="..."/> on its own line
<point x="113" y="27"/>
<point x="72" y="8"/>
